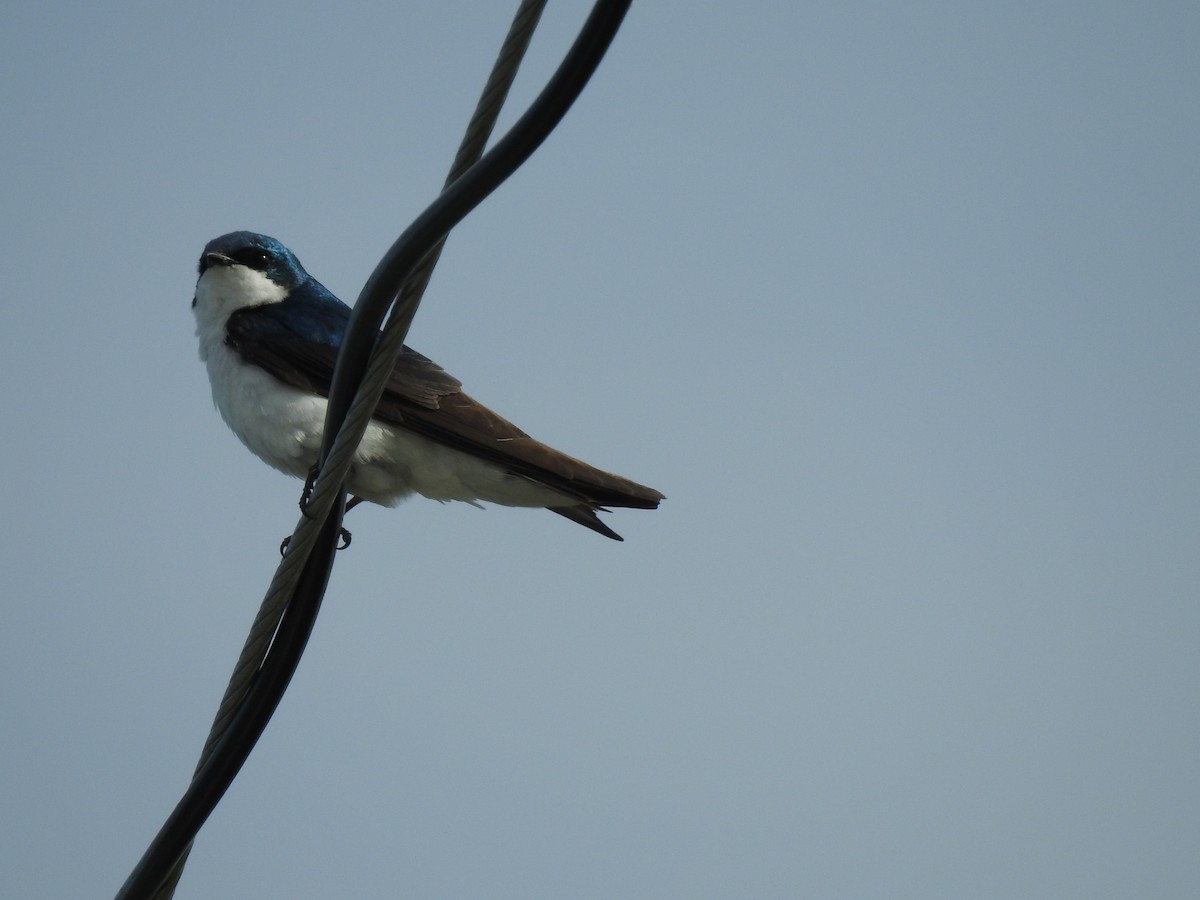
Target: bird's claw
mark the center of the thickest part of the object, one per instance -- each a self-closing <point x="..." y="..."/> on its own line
<point x="310" y="482"/>
<point x="306" y="495"/>
<point x="344" y="538"/>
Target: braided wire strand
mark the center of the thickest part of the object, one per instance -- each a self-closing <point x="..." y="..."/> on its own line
<point x="328" y="487"/>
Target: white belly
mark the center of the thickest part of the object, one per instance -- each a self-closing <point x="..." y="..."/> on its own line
<point x="283" y="426"/>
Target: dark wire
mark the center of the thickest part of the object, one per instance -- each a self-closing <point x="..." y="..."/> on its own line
<point x="385" y="283"/>
<point x="249" y="721"/>
<point x="275" y="603"/>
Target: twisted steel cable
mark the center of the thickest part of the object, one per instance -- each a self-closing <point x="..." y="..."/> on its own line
<point x="289" y="608"/>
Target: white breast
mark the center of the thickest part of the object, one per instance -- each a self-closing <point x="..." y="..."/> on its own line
<point x="280" y="424"/>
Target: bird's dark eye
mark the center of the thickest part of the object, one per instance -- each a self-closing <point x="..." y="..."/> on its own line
<point x="252" y="257"/>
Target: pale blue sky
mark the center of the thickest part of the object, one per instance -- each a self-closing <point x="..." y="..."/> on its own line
<point x="899" y="304"/>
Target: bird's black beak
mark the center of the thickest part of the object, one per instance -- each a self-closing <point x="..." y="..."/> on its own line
<point x="214" y="259"/>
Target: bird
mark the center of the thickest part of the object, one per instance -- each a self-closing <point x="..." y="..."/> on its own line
<point x="269" y="335"/>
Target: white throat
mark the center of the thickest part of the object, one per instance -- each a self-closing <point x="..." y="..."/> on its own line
<point x="223" y="290"/>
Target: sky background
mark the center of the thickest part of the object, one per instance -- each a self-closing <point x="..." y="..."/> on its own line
<point x="898" y="304"/>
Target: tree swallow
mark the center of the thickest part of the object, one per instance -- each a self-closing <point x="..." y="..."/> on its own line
<point x="269" y="334"/>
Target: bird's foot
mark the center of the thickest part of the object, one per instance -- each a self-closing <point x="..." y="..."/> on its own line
<point x="344" y="538"/>
<point x="306" y="495"/>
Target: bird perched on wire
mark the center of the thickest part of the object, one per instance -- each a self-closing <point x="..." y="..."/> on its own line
<point x="269" y="334"/>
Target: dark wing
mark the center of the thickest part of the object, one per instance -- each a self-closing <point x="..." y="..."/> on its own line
<point x="423" y="398"/>
<point x="461" y="422"/>
<point x="298" y="343"/>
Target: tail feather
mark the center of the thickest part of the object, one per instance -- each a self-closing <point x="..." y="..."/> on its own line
<point x="586" y="516"/>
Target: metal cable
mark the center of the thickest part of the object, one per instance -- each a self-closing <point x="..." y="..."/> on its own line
<point x="282" y="587"/>
<point x="303" y="574"/>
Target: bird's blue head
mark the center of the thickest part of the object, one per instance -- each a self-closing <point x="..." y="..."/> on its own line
<point x="255" y="251"/>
